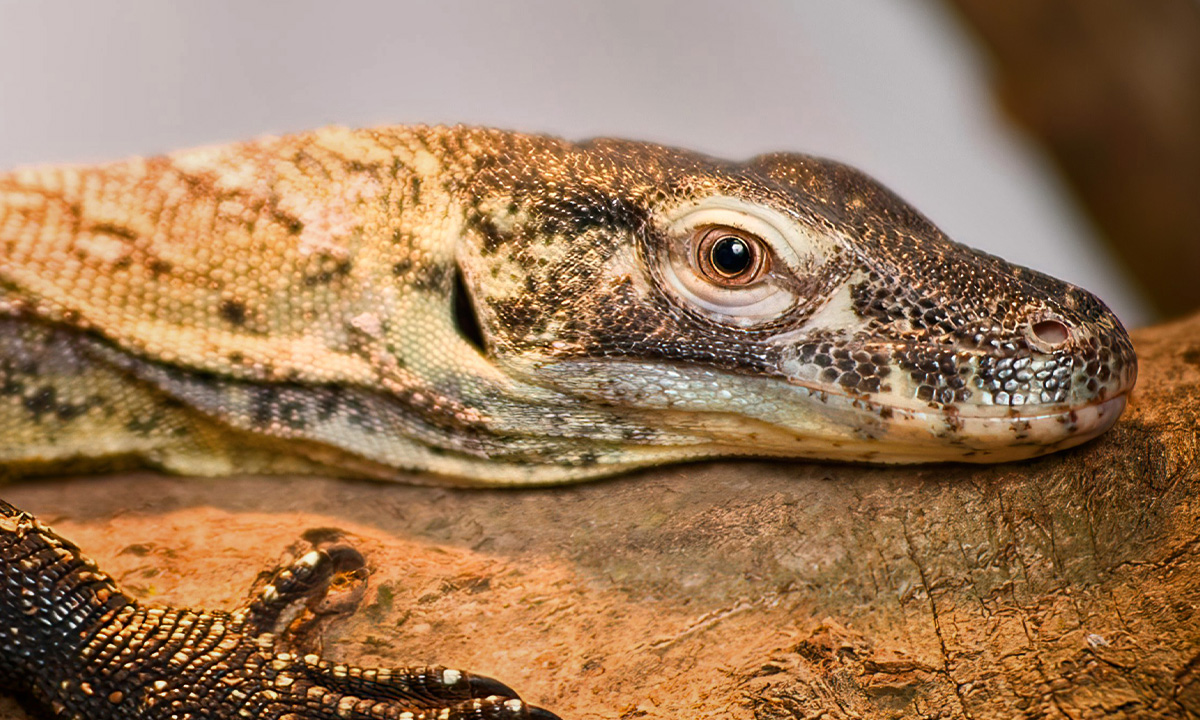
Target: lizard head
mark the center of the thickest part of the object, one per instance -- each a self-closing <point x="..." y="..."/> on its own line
<point x="787" y="306"/>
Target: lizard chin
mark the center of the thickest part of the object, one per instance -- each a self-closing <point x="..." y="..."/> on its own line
<point x="760" y="417"/>
<point x="889" y="434"/>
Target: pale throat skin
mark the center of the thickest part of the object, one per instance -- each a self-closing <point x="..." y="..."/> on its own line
<point x="488" y="307"/>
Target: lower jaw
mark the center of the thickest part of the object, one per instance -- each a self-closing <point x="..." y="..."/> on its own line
<point x="920" y="436"/>
<point x="1000" y="438"/>
<point x="802" y="422"/>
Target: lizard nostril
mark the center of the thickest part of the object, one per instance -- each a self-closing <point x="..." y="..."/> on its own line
<point x="1051" y="332"/>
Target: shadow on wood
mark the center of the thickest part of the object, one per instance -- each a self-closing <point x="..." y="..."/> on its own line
<point x="1064" y="587"/>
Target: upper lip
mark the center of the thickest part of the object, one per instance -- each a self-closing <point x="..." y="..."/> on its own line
<point x="972" y="411"/>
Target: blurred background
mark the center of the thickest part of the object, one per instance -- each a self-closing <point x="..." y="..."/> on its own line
<point x="1059" y="134"/>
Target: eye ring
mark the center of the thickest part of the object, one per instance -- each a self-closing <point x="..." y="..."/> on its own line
<point x="730" y="257"/>
<point x="788" y="262"/>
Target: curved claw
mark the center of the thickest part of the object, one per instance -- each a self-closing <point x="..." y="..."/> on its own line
<point x="481" y="686"/>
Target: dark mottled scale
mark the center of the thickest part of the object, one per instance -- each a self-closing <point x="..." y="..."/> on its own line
<point x="73" y="645"/>
<point x="850" y="380"/>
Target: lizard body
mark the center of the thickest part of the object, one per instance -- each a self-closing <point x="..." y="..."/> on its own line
<point x="478" y="306"/>
<point x="517" y="309"/>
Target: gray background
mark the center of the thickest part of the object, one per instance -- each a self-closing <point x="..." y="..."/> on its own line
<point x="892" y="86"/>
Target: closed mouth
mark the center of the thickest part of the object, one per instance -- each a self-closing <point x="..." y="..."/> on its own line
<point x="1028" y="411"/>
<point x="985" y="433"/>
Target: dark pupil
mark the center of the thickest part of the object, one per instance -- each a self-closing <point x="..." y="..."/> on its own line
<point x="731" y="256"/>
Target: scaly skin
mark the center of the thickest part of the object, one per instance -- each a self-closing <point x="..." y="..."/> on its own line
<point x="289" y="304"/>
<point x="74" y="646"/>
<point x="480" y="307"/>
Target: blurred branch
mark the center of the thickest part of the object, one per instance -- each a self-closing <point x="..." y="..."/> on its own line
<point x="1111" y="88"/>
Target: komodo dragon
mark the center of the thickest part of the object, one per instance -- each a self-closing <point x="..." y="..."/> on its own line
<point x="483" y="307"/>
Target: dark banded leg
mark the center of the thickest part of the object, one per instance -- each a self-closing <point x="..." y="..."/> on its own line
<point x="73" y="645"/>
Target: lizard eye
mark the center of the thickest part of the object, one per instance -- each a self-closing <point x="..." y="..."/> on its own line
<point x="734" y="261"/>
<point x="730" y="257"/>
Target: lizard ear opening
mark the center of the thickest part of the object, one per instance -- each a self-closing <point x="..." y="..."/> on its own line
<point x="466" y="321"/>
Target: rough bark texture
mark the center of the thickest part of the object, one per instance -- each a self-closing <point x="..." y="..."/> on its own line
<point x="1111" y="88"/>
<point x="1066" y="587"/>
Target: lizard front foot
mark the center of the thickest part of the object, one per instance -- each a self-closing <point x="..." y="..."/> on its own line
<point x="73" y="645"/>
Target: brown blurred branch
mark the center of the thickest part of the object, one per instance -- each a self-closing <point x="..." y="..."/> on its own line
<point x="1112" y="90"/>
